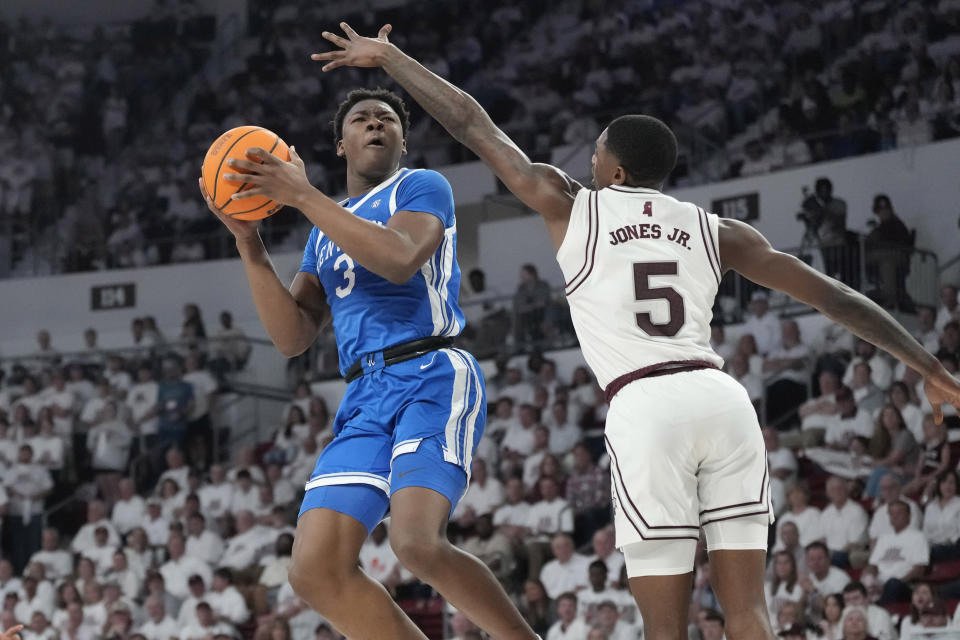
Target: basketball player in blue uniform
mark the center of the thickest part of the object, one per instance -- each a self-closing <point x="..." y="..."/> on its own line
<point x="382" y="267"/>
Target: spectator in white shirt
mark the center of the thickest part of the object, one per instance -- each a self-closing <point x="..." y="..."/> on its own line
<point x="128" y="579"/>
<point x="61" y="401"/>
<point x="47" y="446"/>
<point x="511" y="518"/>
<point x="608" y="624"/>
<point x="77" y="628"/>
<point x="484" y="495"/>
<point x="605" y="550"/>
<point x="843" y="522"/>
<point x="205" y="626"/>
<point x="531" y="462"/>
<point x="788" y="541"/>
<point x="881" y="373"/>
<point x="159" y="626"/>
<point x="785" y="585"/>
<point x="130" y="510"/>
<point x="142" y="400"/>
<point x="569" y="626"/>
<point x="216" y="496"/>
<point x="28" y="484"/>
<point x="879" y="622"/>
<point x="57" y="562"/>
<point x="178" y="569"/>
<point x="202" y="543"/>
<point x="155" y="525"/>
<point x="563" y="432"/>
<point x="948" y="310"/>
<point x="900" y="556"/>
<point x="118" y="377"/>
<point x="941" y="519"/>
<point x="516" y="388"/>
<point x="926" y="332"/>
<point x="177" y="469"/>
<point x="891" y="491"/>
<point x="786" y="369"/>
<point x="518" y="441"/>
<point x="782" y="462"/>
<point x="764" y="325"/>
<point x="738" y="366"/>
<point x="718" y="341"/>
<point x="250" y="539"/>
<point x="225" y="600"/>
<point x="101" y="553"/>
<point x="96" y="517"/>
<point x="568" y="571"/>
<point x="187" y="614"/>
<point x="246" y="495"/>
<point x="817" y="413"/>
<point x="849" y="422"/>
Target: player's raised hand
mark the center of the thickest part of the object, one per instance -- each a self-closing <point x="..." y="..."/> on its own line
<point x="241" y="229"/>
<point x="941" y="388"/>
<point x="355" y="50"/>
<point x="11" y="633"/>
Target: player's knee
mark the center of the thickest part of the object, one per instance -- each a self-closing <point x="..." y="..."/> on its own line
<point x="317" y="584"/>
<point x="418" y="553"/>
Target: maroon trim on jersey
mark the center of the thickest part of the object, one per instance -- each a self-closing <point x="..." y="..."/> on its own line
<point x="713" y="243"/>
<point x="654" y="370"/>
<point x="706" y="244"/>
<point x="742" y="515"/>
<point x="586" y="247"/>
<point x="763" y="493"/>
<point x="614" y="187"/>
<point x="591" y="261"/>
<point x="618" y="476"/>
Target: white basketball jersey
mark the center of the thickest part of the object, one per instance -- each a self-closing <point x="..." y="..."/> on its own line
<point x="642" y="271"/>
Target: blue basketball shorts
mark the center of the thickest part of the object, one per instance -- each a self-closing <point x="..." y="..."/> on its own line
<point x="411" y="424"/>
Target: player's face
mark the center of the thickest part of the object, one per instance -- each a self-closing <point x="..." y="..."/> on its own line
<point x="372" y="139"/>
<point x="605" y="168"/>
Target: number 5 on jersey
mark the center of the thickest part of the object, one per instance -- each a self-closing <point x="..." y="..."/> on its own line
<point x="641" y="280"/>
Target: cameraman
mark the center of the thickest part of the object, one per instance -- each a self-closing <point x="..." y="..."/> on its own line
<point x="825" y="219"/>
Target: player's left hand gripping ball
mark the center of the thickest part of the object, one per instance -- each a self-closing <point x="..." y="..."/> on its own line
<point x="285" y="182"/>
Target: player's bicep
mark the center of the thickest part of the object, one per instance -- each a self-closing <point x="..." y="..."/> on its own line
<point x="311" y="299"/>
<point x="423" y="232"/>
<point x="744" y="250"/>
<point x="542" y="187"/>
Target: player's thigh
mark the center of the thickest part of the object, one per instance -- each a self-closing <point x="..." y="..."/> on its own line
<point x="352" y="474"/>
<point x="439" y="425"/>
<point x="733" y="477"/>
<point x="654" y="480"/>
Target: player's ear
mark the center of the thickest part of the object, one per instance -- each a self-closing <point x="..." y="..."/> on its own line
<point x="340" y="152"/>
<point x="619" y="175"/>
<point x="403" y="147"/>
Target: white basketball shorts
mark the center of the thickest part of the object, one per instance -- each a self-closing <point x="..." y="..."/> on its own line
<point x="686" y="453"/>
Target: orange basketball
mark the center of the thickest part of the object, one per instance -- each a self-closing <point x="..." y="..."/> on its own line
<point x="234" y="144"/>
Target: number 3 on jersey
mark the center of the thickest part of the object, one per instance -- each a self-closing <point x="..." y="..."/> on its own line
<point x="641" y="280"/>
<point x="349" y="276"/>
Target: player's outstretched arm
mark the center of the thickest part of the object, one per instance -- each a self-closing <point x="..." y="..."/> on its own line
<point x="746" y="251"/>
<point x="542" y="187"/>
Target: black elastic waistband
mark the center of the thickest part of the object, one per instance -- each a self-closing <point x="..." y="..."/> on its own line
<point x="395" y="354"/>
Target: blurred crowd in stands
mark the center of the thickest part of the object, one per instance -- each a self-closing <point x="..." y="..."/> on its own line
<point x="110" y="124"/>
<point x="177" y="542"/>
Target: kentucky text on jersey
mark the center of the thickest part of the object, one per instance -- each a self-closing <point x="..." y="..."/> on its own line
<point x="369" y="312"/>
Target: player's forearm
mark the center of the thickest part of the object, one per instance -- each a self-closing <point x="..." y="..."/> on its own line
<point x="867" y="320"/>
<point x="452" y="107"/>
<point x="380" y="249"/>
<point x="290" y="328"/>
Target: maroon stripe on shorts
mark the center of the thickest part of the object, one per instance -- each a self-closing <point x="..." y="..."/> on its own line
<point x="619" y="476"/>
<point x="763" y="492"/>
<point x="658" y="369"/>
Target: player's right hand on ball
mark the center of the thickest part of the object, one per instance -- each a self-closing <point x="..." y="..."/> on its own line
<point x="241" y="229"/>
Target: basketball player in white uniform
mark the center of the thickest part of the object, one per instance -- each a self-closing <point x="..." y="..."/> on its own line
<point x="642" y="270"/>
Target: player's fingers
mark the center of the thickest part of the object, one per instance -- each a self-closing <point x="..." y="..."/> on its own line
<point x="326" y="55"/>
<point x="242" y="177"/>
<point x="247" y="165"/>
<point x="347" y="29"/>
<point x="384" y="32"/>
<point x="203" y="188"/>
<point x="335" y="39"/>
<point x="240" y="195"/>
<point x="263" y="155"/>
<point x="295" y="157"/>
<point x="332" y="65"/>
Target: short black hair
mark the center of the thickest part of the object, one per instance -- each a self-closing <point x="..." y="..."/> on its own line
<point x="358" y="95"/>
<point x="818" y="545"/>
<point x="645" y="147"/>
<point x="856" y="585"/>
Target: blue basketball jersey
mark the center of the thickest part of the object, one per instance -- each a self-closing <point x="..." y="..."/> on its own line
<point x="371" y="313"/>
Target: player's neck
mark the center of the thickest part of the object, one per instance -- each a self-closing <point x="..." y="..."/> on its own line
<point x="358" y="184"/>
